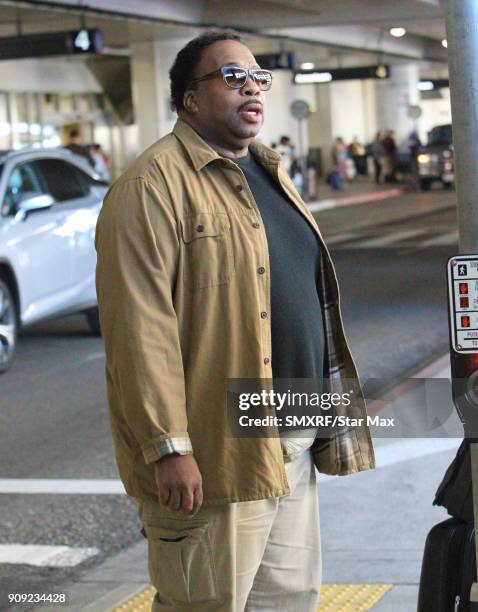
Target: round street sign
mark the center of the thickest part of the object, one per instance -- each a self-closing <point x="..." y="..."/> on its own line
<point x="414" y="111"/>
<point x="300" y="109"/>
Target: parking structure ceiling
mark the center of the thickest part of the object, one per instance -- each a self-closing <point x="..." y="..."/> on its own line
<point x="348" y="32"/>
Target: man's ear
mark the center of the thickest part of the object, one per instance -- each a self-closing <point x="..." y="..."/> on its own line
<point x="189" y="101"/>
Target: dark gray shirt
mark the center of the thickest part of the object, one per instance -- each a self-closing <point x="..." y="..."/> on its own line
<point x="294" y="255"/>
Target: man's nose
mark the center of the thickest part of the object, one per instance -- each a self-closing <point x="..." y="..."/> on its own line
<point x="251" y="88"/>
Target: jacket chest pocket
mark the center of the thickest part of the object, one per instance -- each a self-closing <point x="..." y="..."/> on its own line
<point x="208" y="258"/>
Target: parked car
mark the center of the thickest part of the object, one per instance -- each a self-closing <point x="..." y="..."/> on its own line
<point x="435" y="161"/>
<point x="49" y="205"/>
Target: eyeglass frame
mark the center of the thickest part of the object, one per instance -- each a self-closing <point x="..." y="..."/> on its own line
<point x="219" y="71"/>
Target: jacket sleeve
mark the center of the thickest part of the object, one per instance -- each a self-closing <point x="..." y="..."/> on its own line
<point x="138" y="247"/>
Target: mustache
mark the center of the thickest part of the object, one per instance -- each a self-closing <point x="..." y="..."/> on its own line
<point x="250" y="103"/>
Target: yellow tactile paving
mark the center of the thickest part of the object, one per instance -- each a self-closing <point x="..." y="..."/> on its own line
<point x="350" y="597"/>
<point x="333" y="598"/>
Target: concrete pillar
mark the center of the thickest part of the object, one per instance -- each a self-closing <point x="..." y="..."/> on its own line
<point x="345" y="109"/>
<point x="321" y="129"/>
<point x="278" y="119"/>
<point x="393" y="98"/>
<point x="150" y="64"/>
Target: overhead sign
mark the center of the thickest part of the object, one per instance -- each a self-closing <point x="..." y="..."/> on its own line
<point x="52" y="43"/>
<point x="278" y="61"/>
<point x="325" y="75"/>
<point x="462" y="271"/>
<point x="87" y="41"/>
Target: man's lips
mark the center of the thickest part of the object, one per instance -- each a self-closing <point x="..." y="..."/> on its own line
<point x="251" y="111"/>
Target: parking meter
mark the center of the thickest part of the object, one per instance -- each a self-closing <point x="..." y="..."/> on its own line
<point x="462" y="272"/>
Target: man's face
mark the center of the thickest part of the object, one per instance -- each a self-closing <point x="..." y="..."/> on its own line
<point x="226" y="116"/>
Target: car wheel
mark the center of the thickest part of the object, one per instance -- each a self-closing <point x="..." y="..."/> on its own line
<point x="8" y="327"/>
<point x="93" y="318"/>
<point x="425" y="184"/>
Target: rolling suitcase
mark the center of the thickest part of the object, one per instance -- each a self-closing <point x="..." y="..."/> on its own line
<point x="448" y="568"/>
<point x="334" y="179"/>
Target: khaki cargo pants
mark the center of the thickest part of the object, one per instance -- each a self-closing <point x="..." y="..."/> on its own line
<point x="260" y="555"/>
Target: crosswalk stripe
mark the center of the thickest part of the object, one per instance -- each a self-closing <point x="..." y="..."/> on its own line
<point x="44" y="556"/>
<point x="387" y="240"/>
<point x="441" y="240"/>
<point x="398" y="239"/>
<point x="340" y="238"/>
<point x="61" y="486"/>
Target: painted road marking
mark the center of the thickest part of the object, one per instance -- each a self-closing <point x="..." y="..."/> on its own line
<point x="441" y="240"/>
<point x="61" y="486"/>
<point x="44" y="556"/>
<point x="329" y="203"/>
<point x="387" y="240"/>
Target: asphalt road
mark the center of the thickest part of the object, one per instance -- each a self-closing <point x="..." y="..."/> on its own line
<point x="53" y="414"/>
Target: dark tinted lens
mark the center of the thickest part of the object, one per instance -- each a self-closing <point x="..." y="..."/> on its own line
<point x="263" y="78"/>
<point x="235" y="77"/>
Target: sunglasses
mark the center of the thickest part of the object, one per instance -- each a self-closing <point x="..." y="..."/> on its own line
<point x="236" y="77"/>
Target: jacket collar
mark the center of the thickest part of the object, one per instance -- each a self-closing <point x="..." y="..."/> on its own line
<point x="201" y="153"/>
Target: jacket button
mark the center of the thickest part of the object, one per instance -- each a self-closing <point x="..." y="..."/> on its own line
<point x="239" y="187"/>
<point x="266" y="360"/>
<point x="200" y="228"/>
<point x="256" y="225"/>
<point x="263" y="315"/>
<point x="261" y="270"/>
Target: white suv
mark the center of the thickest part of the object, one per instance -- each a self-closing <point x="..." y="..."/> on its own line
<point x="49" y="205"/>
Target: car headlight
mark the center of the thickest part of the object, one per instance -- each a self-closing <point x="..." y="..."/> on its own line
<point x="423" y="158"/>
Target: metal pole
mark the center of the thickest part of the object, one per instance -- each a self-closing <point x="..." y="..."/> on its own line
<point x="462" y="37"/>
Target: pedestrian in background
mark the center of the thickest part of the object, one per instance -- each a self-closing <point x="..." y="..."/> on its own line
<point x="389" y="154"/>
<point x="414" y="144"/>
<point x="377" y="156"/>
<point x="357" y="152"/>
<point x="76" y="146"/>
<point x="286" y="150"/>
<point x="100" y="162"/>
<point x="339" y="158"/>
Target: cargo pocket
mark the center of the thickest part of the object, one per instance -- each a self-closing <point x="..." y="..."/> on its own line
<point x="208" y="257"/>
<point x="181" y="563"/>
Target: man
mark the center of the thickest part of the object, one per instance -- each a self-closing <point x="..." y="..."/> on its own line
<point x="198" y="243"/>
<point x="75" y="146"/>
<point x="390" y="152"/>
<point x="286" y="151"/>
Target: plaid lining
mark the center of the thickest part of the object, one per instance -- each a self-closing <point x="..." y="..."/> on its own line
<point x="350" y="449"/>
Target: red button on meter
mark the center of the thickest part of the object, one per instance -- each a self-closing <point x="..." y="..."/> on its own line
<point x="464" y="302"/>
<point x="463" y="288"/>
<point x="465" y="321"/>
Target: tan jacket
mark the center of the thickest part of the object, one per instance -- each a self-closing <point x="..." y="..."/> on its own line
<point x="182" y="278"/>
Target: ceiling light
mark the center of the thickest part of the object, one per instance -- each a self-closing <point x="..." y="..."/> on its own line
<point x="397" y="32"/>
<point x="444" y="43"/>
<point x="313" y="77"/>
<point x="307" y="66"/>
<point x="425" y="85"/>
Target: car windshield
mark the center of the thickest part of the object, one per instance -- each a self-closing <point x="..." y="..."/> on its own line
<point x="440" y="135"/>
